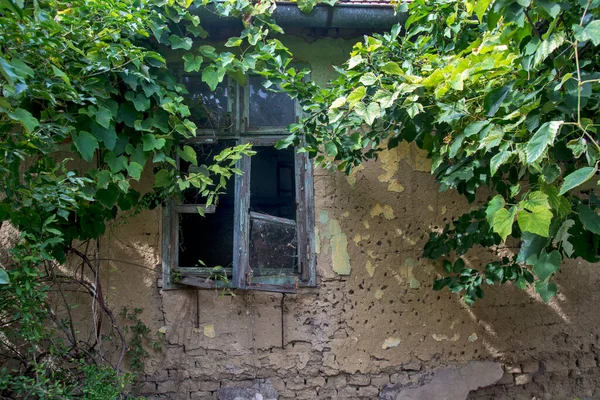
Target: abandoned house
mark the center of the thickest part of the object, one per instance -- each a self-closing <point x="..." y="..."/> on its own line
<point x="332" y="297"/>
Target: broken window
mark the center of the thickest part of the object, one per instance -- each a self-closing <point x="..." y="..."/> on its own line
<point x="259" y="234"/>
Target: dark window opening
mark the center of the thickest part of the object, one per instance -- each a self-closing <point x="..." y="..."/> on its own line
<point x="207" y="242"/>
<point x="272" y="182"/>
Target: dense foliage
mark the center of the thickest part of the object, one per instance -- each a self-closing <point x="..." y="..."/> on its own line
<point x="503" y="95"/>
<point x="87" y="104"/>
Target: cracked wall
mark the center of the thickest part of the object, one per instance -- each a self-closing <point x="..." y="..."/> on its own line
<point x="374" y="324"/>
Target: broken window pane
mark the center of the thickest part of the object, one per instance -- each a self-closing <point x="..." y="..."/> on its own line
<point x="206" y="153"/>
<point x="272" y="247"/>
<point x="208" y="108"/>
<point x="267" y="108"/>
<point x="272" y="182"/>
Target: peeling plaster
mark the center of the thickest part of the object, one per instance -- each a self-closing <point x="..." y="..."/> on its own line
<point x="395" y="186"/>
<point x="209" y="331"/>
<point x="370" y="268"/>
<point x="339" y="244"/>
<point x="387" y="211"/>
<point x="390" y="342"/>
<point x="473" y="337"/>
<point x="440" y="338"/>
<point x="352" y="177"/>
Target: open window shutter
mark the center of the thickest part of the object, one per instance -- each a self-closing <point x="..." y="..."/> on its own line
<point x="273" y="255"/>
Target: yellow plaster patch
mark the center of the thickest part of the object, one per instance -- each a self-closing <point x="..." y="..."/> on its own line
<point x="421" y="161"/>
<point x="379" y="294"/>
<point x="339" y="254"/>
<point x="371" y="254"/>
<point x="366" y="237"/>
<point x="209" y="331"/>
<point x="387" y="211"/>
<point x="370" y="268"/>
<point x="430" y="208"/>
<point x="390" y="342"/>
<point x="346" y="214"/>
<point x="473" y="337"/>
<point x="357" y="239"/>
<point x="389" y="162"/>
<point x="352" y="177"/>
<point x="395" y="186"/>
<point x="444" y="210"/>
<point x="162" y="329"/>
<point x="366" y="224"/>
<point x="339" y="247"/>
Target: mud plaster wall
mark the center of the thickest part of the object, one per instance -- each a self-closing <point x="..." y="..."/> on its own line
<point x="374" y="321"/>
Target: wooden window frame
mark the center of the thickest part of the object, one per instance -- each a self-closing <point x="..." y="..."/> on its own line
<point x="305" y="217"/>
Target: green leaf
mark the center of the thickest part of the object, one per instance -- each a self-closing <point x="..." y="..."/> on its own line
<point x="589" y="218"/>
<point x="535" y="199"/>
<point x="552" y="8"/>
<point x="60" y="74"/>
<point x="368" y="79"/>
<point x="139" y="100"/>
<point x="108" y="197"/>
<point x="562" y="237"/>
<point x="354" y="61"/>
<point x="233" y="42"/>
<point x="368" y="114"/>
<point x="180" y="43"/>
<point x="4" y="279"/>
<point x="135" y="170"/>
<point x="590" y="32"/>
<point x="162" y="178"/>
<point x="536" y="220"/>
<point x="306" y="6"/>
<point x="392" y="68"/>
<point x="192" y="63"/>
<point x="213" y="76"/>
<point x="540" y="141"/>
<point x="548" y="46"/>
<point x="106" y="135"/>
<point x="152" y="143"/>
<point x="103" y="116"/>
<point x="116" y="164"/>
<point x="531" y="247"/>
<point x="551" y="172"/>
<point x="493" y="100"/>
<point x="493" y="206"/>
<point x="188" y="154"/>
<point x="547" y="264"/>
<point x="356" y="95"/>
<point x="480" y="8"/>
<point x="576" y="178"/>
<point x="26" y="119"/>
<point x="500" y="158"/>
<point x="337" y="103"/>
<point x="503" y="222"/>
<point x="331" y="148"/>
<point x="86" y="144"/>
<point x="546" y="290"/>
